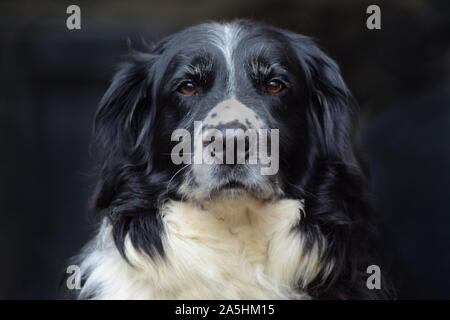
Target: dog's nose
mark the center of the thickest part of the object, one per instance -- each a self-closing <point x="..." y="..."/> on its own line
<point x="236" y="146"/>
<point x="237" y="143"/>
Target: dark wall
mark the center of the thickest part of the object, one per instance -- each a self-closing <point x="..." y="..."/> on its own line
<point x="51" y="80"/>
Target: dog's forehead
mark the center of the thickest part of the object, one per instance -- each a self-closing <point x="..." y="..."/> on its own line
<point x="234" y="44"/>
<point x="230" y="39"/>
<point x="225" y="37"/>
<point x="234" y="39"/>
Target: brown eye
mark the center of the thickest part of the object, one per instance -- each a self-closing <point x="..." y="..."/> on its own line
<point x="274" y="86"/>
<point x="187" y="88"/>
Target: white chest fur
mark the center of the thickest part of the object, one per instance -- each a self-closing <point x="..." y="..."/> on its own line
<point x="240" y="249"/>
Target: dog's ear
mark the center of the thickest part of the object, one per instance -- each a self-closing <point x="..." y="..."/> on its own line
<point x="125" y="113"/>
<point x="332" y="112"/>
<point x="332" y="117"/>
<point x="124" y="126"/>
<point x="335" y="185"/>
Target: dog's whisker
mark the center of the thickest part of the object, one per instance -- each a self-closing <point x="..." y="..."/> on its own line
<point x="171" y="179"/>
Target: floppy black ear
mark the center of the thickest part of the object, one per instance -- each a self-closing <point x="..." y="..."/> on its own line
<point x="123" y="137"/>
<point x="121" y="121"/>
<point x="333" y="109"/>
<point x="335" y="185"/>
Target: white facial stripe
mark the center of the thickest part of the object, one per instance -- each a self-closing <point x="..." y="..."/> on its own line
<point x="225" y="38"/>
<point x="232" y="110"/>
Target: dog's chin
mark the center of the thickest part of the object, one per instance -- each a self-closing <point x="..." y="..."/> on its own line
<point x="228" y="184"/>
<point x="235" y="190"/>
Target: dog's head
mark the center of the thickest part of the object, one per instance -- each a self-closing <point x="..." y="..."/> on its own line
<point x="221" y="109"/>
<point x="239" y="106"/>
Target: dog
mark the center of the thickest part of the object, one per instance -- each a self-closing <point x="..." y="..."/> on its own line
<point x="171" y="227"/>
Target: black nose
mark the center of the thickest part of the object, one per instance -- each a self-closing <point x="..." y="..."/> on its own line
<point x="236" y="147"/>
<point x="238" y="141"/>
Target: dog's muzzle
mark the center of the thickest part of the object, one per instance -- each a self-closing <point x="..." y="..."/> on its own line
<point x="229" y="153"/>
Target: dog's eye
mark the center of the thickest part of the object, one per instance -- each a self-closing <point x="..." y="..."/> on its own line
<point x="274" y="86"/>
<point x="187" y="88"/>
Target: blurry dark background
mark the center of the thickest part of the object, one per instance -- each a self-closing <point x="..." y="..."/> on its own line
<point x="51" y="80"/>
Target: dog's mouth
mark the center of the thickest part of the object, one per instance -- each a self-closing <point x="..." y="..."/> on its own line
<point x="236" y="189"/>
<point x="231" y="188"/>
<point x="222" y="182"/>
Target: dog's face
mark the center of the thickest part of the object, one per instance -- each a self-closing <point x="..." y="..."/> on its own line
<point x="243" y="92"/>
<point x="250" y="84"/>
<point x="231" y="78"/>
<point x="258" y="106"/>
